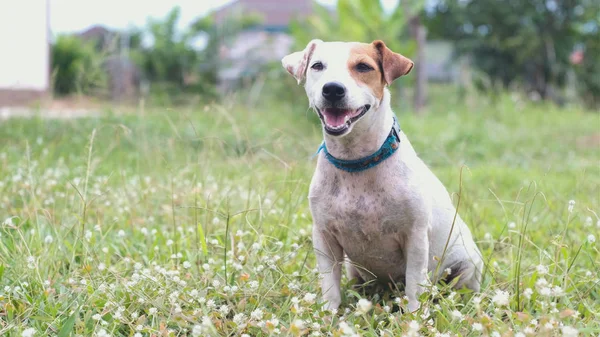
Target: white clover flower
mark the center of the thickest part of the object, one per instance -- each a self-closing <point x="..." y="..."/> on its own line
<point x="139" y="327"/>
<point x="31" y="262"/>
<point x="257" y="314"/>
<point x="309" y="298"/>
<point x="542" y="270"/>
<point x="512" y="225"/>
<point x="197" y="331"/>
<point x="591" y="238"/>
<point x="363" y="306"/>
<point x="527" y="293"/>
<point x="457" y="315"/>
<point x="152" y="311"/>
<point x="48" y="239"/>
<point x="29" y="332"/>
<point x="568" y="331"/>
<point x="187" y="265"/>
<point x="137" y="266"/>
<point x="413" y="326"/>
<point x="101" y="266"/>
<point x="545" y="291"/>
<point x="224" y="309"/>
<point x="557" y="291"/>
<point x="253" y="284"/>
<point x="588" y="221"/>
<point x="216" y="283"/>
<point x="541" y="282"/>
<point x="137" y="334"/>
<point x="211" y="304"/>
<point x="239" y="318"/>
<point x="477" y="327"/>
<point x="519" y="334"/>
<point x="102" y="333"/>
<point x="121" y="233"/>
<point x="346" y="329"/>
<point x="299" y="324"/>
<point x="501" y="298"/>
<point x="571" y="206"/>
<point x="88" y="235"/>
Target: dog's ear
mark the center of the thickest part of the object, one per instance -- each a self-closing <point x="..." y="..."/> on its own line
<point x="297" y="63"/>
<point x="393" y="65"/>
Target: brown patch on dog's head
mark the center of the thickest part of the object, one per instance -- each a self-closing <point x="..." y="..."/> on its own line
<point x="375" y="65"/>
<point x="393" y="64"/>
<point x="364" y="66"/>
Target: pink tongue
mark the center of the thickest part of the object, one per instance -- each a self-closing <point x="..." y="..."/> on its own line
<point x="334" y="118"/>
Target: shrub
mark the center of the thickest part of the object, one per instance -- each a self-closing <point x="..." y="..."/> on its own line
<point x="76" y="66"/>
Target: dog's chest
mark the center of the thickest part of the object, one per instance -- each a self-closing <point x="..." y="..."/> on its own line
<point x="359" y="208"/>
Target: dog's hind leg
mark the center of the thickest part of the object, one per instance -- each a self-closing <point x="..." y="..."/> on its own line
<point x="468" y="274"/>
<point x="353" y="274"/>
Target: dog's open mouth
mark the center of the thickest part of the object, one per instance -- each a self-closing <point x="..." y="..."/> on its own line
<point x="336" y="121"/>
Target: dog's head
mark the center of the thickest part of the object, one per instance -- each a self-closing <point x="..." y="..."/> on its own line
<point x="345" y="81"/>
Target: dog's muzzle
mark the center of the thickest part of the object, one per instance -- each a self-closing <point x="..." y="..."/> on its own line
<point x="336" y="121"/>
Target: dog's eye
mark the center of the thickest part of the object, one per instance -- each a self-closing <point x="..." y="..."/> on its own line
<point x="363" y="67"/>
<point x="318" y="66"/>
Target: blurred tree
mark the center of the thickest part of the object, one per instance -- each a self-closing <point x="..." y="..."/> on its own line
<point x="170" y="57"/>
<point x="219" y="35"/>
<point x="517" y="41"/>
<point x="365" y="21"/>
<point x="183" y="60"/>
<point x="76" y="66"/>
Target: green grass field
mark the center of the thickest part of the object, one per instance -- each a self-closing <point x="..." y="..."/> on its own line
<point x="194" y="221"/>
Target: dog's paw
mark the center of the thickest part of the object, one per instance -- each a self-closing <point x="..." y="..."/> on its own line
<point x="332" y="305"/>
<point x="413" y="305"/>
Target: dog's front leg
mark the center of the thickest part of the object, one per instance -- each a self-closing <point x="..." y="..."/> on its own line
<point x="417" y="253"/>
<point x="329" y="260"/>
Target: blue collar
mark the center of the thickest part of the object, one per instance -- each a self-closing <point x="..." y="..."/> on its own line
<point x="391" y="144"/>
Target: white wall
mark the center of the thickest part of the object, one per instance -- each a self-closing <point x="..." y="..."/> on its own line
<point x="24" y="53"/>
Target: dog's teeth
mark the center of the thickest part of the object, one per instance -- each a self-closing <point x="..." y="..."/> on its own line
<point x="335" y="127"/>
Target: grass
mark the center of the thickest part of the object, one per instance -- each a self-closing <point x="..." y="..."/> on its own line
<point x="193" y="221"/>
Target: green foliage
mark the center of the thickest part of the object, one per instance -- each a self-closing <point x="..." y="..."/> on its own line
<point x="357" y="20"/>
<point x="588" y="71"/>
<point x="195" y="222"/>
<point x="515" y="41"/>
<point x="175" y="63"/>
<point x="76" y="66"/>
<point x="171" y="57"/>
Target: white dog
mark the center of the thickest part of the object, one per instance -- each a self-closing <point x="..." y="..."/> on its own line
<point x="372" y="198"/>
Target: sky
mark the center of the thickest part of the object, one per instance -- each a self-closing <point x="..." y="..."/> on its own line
<point x="67" y="16"/>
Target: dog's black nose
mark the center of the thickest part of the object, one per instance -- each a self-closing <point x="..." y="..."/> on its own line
<point x="334" y="91"/>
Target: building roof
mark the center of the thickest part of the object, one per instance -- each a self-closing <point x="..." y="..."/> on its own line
<point x="275" y="13"/>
